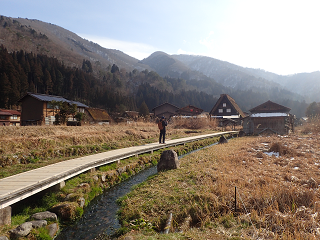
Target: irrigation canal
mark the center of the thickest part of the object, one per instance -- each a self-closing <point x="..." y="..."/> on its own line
<point x="100" y="216"/>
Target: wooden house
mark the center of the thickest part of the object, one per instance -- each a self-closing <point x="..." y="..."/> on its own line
<point x="166" y="109"/>
<point x="227" y="108"/>
<point x="96" y="115"/>
<point x="269" y="118"/>
<point x="9" y="117"/>
<point x="38" y="110"/>
<point x="189" y="111"/>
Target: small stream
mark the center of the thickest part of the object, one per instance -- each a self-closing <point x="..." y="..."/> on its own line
<point x="100" y="216"/>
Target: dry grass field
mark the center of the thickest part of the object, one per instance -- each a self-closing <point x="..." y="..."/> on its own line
<point x="278" y="195"/>
<point x="26" y="148"/>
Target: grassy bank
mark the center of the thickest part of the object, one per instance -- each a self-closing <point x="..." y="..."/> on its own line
<point x="278" y="196"/>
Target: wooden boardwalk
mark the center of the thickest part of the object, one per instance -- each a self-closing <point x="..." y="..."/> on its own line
<point x="20" y="186"/>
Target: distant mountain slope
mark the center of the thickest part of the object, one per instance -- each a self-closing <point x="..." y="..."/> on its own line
<point x="305" y="84"/>
<point x="52" y="40"/>
<point x="166" y="65"/>
<point x="227" y="74"/>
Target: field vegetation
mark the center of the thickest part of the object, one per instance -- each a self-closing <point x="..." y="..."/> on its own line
<point x="26" y="148"/>
<point x="278" y="195"/>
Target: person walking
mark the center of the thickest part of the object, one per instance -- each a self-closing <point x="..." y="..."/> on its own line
<point x="162" y="127"/>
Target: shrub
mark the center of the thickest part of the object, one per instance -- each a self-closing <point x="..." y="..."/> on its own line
<point x="43" y="234"/>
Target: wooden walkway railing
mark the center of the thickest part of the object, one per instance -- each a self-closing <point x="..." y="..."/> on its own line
<point x="17" y="187"/>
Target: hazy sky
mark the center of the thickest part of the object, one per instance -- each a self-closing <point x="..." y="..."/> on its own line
<point x="278" y="36"/>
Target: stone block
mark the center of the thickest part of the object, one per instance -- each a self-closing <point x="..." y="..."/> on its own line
<point x="45" y="215"/>
<point x="5" y="216"/>
<point x="21" y="231"/>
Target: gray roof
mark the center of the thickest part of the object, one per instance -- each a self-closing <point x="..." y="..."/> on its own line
<point x="79" y="104"/>
<point x="49" y="98"/>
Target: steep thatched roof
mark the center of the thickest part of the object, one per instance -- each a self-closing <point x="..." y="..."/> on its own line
<point x="223" y="97"/>
<point x="99" y="114"/>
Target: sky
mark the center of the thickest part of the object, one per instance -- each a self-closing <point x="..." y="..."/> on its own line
<point x="278" y="36"/>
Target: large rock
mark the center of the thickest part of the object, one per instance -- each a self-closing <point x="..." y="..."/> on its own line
<point x="39" y="223"/>
<point x="3" y="238"/>
<point x="66" y="211"/>
<point x="168" y="160"/>
<point x="21" y="231"/>
<point x="223" y="140"/>
<point x="45" y="215"/>
<point x="53" y="229"/>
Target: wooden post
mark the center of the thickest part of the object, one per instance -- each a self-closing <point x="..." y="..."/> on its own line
<point x="168" y="224"/>
<point x="235" y="199"/>
<point x="58" y="186"/>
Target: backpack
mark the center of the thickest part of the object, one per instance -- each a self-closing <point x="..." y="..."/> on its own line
<point x="160" y="126"/>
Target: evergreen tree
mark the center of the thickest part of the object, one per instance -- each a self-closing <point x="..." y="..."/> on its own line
<point x="4" y="90"/>
<point x="313" y="110"/>
<point x="114" y="68"/>
<point x="143" y="110"/>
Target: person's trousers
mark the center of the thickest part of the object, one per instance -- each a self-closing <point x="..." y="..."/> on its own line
<point x="162" y="136"/>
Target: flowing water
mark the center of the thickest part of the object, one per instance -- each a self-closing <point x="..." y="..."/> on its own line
<point x="100" y="216"/>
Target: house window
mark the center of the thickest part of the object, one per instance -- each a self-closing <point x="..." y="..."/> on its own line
<point x="224" y="104"/>
<point x="49" y="106"/>
<point x="229" y="110"/>
<point x="220" y="110"/>
<point x="2" y="117"/>
<point x="81" y="110"/>
<point x="14" y="117"/>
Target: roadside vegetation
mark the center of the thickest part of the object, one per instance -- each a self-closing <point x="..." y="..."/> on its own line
<point x="278" y="195"/>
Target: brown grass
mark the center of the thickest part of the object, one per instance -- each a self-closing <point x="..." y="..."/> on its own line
<point x="312" y="126"/>
<point x="26" y="148"/>
<point x="278" y="195"/>
<point x="194" y="123"/>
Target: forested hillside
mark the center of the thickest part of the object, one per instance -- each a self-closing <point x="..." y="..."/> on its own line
<point x="22" y="72"/>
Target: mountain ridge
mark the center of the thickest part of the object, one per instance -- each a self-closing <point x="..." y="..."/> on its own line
<point x="61" y="43"/>
<point x="200" y="73"/>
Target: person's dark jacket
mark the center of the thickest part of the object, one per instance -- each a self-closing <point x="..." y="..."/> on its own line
<point x="164" y="124"/>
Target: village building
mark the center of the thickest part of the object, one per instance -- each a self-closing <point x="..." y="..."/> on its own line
<point x="96" y="115"/>
<point x="269" y="118"/>
<point x="227" y="111"/>
<point x="189" y="111"/>
<point x="166" y="109"/>
<point x="131" y="115"/>
<point x="9" y="117"/>
<point x="37" y="109"/>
